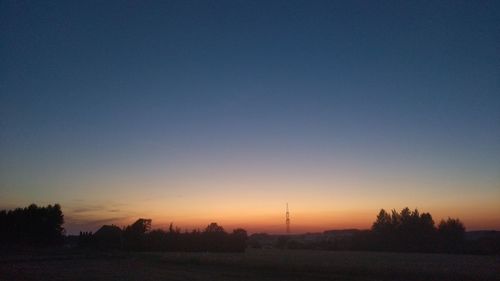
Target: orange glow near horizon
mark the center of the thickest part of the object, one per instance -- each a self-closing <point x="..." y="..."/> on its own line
<point x="268" y="217"/>
<point x="257" y="204"/>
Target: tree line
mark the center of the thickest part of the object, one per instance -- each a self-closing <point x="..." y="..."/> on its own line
<point x="403" y="231"/>
<point x="32" y="226"/>
<point x="139" y="237"/>
<point x="412" y="231"/>
<point x="36" y="226"/>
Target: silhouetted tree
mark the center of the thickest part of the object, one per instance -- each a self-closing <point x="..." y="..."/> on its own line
<point x="134" y="235"/>
<point x="215" y="238"/>
<point x="426" y="233"/>
<point x="451" y="235"/>
<point x="404" y="231"/>
<point x="383" y="231"/>
<point x="214" y="228"/>
<point x="238" y="240"/>
<point x="383" y="224"/>
<point x="33" y="225"/>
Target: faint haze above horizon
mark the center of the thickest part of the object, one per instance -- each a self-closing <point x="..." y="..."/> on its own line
<point x="194" y="112"/>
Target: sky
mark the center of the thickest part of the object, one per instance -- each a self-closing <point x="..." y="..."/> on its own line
<point x="194" y="112"/>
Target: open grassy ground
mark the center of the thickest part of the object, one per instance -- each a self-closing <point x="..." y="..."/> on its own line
<point x="252" y="265"/>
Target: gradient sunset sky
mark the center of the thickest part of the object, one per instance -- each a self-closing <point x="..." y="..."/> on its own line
<point x="198" y="111"/>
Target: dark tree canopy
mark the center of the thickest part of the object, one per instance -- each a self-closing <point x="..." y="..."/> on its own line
<point x="214" y="228"/>
<point x="140" y="237"/>
<point x="451" y="235"/>
<point x="32" y="225"/>
<point x="407" y="231"/>
<point x="139" y="227"/>
<point x="134" y="235"/>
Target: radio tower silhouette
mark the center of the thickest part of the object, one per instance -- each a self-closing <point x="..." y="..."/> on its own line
<point x="287" y="220"/>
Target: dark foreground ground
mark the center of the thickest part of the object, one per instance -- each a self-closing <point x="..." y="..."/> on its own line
<point x="252" y="265"/>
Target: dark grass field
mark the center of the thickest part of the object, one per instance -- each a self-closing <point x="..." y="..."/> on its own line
<point x="251" y="265"/>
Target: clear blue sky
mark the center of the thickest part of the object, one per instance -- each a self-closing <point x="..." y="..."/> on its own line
<point x="184" y="99"/>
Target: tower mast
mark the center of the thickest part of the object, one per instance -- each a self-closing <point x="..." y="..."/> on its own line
<point x="287" y="220"/>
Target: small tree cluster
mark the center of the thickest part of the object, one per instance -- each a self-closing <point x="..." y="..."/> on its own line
<point x="32" y="225"/>
<point x="411" y="231"/>
<point x="451" y="235"/>
<point x="140" y="237"/>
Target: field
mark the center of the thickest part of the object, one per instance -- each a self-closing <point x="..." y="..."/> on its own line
<point x="251" y="265"/>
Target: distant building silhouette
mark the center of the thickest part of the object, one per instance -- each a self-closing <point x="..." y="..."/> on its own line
<point x="108" y="236"/>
